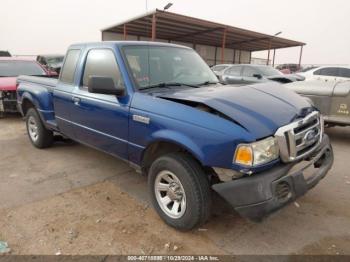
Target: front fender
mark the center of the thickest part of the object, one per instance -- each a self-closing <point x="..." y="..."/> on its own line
<point x="209" y="147"/>
<point x="179" y="139"/>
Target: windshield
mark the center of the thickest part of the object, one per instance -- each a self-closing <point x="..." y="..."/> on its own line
<point x="16" y="68"/>
<point x="269" y="71"/>
<point x="154" y="65"/>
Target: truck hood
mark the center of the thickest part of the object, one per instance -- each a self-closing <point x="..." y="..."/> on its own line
<point x="261" y="109"/>
<point x="8" y="83"/>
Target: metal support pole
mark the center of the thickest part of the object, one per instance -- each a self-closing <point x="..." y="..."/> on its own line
<point x="124" y="33"/>
<point x="239" y="58"/>
<point x="268" y="54"/>
<point x="154" y="27"/>
<point x="223" y="46"/>
<point x="274" y="56"/>
<point x="301" y="55"/>
<point x="250" y="57"/>
<point x="215" y="56"/>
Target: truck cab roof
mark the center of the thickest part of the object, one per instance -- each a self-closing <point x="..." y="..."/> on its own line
<point x="123" y="43"/>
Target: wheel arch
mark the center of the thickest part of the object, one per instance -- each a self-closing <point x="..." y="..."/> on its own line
<point x="26" y="105"/>
<point x="162" y="146"/>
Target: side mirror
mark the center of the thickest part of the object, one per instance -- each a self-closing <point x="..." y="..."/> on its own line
<point x="258" y="76"/>
<point x="104" y="85"/>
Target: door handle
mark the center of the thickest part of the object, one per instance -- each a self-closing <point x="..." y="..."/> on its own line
<point x="76" y="100"/>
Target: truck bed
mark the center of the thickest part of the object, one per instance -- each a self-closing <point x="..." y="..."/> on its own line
<point x="48" y="82"/>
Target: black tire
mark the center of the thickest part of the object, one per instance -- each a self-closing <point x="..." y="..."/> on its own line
<point x="195" y="184"/>
<point x="44" y="137"/>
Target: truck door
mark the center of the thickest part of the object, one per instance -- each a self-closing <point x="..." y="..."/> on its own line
<point x="320" y="91"/>
<point x="62" y="101"/>
<point x="340" y="105"/>
<point x="101" y="120"/>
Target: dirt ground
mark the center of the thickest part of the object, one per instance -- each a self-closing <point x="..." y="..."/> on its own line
<point x="70" y="199"/>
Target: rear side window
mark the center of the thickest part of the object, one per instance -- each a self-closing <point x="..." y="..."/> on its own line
<point x="344" y="72"/>
<point x="328" y="71"/>
<point x="101" y="62"/>
<point x="70" y="65"/>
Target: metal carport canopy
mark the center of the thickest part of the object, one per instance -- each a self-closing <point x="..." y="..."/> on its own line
<point x="175" y="27"/>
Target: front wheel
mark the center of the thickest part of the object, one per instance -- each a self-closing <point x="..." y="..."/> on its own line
<point x="37" y="133"/>
<point x="180" y="191"/>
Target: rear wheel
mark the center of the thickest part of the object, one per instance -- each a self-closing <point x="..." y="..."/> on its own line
<point x="38" y="134"/>
<point x="180" y="191"/>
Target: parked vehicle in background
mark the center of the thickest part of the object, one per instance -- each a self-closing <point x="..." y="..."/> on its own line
<point x="5" y="53"/>
<point x="291" y="68"/>
<point x="159" y="107"/>
<point x="219" y="69"/>
<point x="307" y="68"/>
<point x="250" y="74"/>
<point x="331" y="97"/>
<point x="10" y="68"/>
<point x="336" y="73"/>
<point x="51" y="62"/>
<point x="296" y="77"/>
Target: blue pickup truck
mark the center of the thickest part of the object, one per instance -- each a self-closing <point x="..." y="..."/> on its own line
<point x="160" y="108"/>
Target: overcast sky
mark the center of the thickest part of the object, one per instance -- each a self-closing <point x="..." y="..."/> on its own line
<point x="44" y="26"/>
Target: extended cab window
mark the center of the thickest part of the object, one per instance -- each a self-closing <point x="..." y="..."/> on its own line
<point x="101" y="62"/>
<point x="68" y="70"/>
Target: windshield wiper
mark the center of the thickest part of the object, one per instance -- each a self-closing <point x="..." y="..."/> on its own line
<point x="169" y="84"/>
<point x="207" y="83"/>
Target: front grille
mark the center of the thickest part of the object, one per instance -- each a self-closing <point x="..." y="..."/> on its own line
<point x="300" y="138"/>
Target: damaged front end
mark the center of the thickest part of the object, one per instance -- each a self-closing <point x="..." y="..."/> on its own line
<point x="8" y="102"/>
<point x="202" y="107"/>
<point x="306" y="156"/>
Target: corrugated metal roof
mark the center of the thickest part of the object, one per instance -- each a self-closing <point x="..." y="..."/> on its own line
<point x="176" y="27"/>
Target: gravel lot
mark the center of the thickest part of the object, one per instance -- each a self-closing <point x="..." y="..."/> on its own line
<point x="71" y="199"/>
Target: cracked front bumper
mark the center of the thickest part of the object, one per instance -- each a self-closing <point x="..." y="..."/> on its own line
<point x="259" y="195"/>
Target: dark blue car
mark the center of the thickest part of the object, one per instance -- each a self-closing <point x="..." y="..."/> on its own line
<point x="160" y="108"/>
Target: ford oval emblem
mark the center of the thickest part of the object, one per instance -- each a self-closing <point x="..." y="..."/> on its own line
<point x="310" y="136"/>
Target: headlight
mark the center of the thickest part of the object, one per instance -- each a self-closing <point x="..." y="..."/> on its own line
<point x="257" y="153"/>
